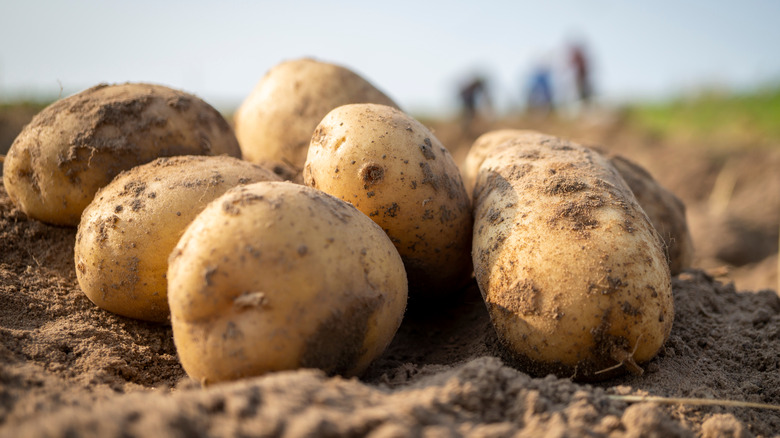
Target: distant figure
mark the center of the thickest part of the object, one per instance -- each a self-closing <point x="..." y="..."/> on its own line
<point x="471" y="94"/>
<point x="540" y="94"/>
<point x="581" y="69"/>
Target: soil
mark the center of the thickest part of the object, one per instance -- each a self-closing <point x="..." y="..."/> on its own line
<point x="68" y="368"/>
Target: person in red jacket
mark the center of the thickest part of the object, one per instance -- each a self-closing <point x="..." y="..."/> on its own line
<point x="581" y="69"/>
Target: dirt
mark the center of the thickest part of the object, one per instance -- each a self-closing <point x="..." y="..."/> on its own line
<point x="68" y="368"/>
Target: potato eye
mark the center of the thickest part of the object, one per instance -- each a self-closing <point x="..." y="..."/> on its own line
<point x="371" y="174"/>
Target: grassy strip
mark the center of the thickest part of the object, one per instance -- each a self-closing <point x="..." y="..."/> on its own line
<point x="752" y="118"/>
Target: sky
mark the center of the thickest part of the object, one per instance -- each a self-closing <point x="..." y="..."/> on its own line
<point x="418" y="52"/>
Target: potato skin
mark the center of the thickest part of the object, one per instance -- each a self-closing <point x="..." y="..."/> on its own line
<point x="80" y="143"/>
<point x="275" y="276"/>
<point x="394" y="170"/>
<point x="128" y="231"/>
<point x="665" y="210"/>
<point x="571" y="270"/>
<point x="276" y="121"/>
<point x="483" y="147"/>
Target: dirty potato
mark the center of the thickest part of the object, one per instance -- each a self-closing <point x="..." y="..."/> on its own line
<point x="80" y="143"/>
<point x="276" y="121"/>
<point x="128" y="231"/>
<point x="276" y="276"/>
<point x="483" y="147"/>
<point x="393" y="169"/>
<point x="665" y="210"/>
<point x="572" y="272"/>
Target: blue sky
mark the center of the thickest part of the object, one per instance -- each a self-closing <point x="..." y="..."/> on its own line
<point x="415" y="51"/>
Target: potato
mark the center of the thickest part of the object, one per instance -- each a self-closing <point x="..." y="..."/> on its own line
<point x="282" y="170"/>
<point x="276" y="121"/>
<point x="665" y="210"/>
<point x="275" y="276"/>
<point x="572" y="272"/>
<point x="394" y="170"/>
<point x="482" y="148"/>
<point x="128" y="231"/>
<point x="80" y="143"/>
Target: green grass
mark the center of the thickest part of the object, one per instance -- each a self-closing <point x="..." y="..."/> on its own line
<point x="24" y="105"/>
<point x="750" y="119"/>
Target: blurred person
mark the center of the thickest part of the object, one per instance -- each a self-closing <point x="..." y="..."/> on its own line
<point x="473" y="95"/>
<point x="580" y="66"/>
<point x="540" y="90"/>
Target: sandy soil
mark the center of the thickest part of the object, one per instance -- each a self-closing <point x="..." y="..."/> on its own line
<point x="69" y="369"/>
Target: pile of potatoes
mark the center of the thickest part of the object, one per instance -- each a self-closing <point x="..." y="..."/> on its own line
<point x="343" y="210"/>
